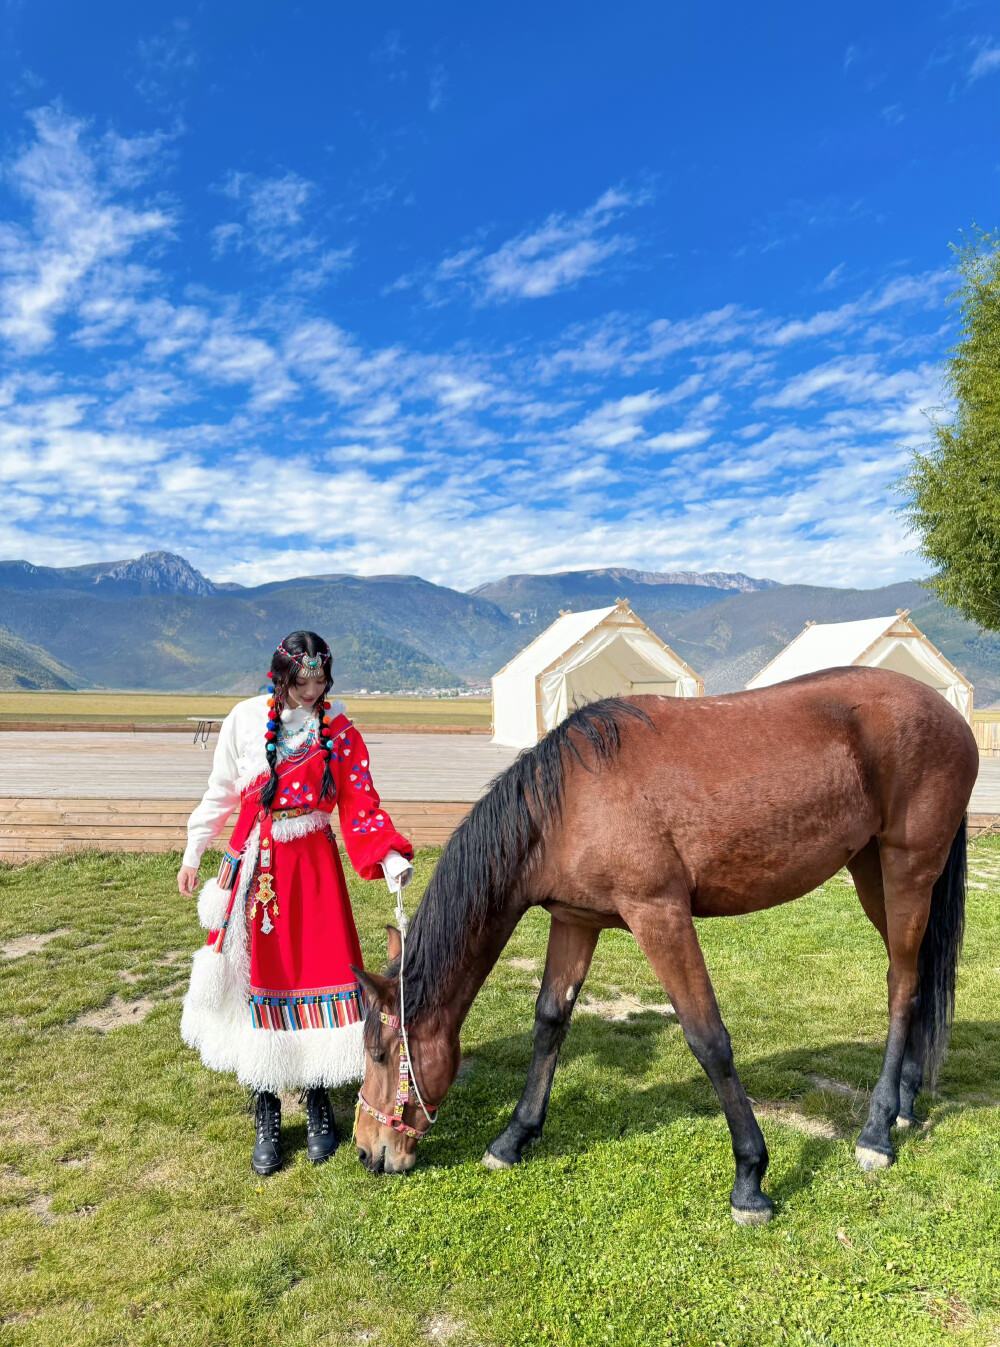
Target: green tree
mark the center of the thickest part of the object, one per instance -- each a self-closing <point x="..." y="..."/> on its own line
<point x="952" y="489"/>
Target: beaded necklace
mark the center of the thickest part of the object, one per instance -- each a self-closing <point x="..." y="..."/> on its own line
<point x="293" y="745"/>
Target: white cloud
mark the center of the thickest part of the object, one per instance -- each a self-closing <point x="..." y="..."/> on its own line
<point x="269" y="439"/>
<point x="555" y="256"/>
<point x="164" y="63"/>
<point x="987" y="60"/>
<point x="272" y="225"/>
<point x="76" y="228"/>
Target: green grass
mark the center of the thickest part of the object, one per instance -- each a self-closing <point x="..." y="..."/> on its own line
<point x="128" y="1212"/>
<point x="166" y="707"/>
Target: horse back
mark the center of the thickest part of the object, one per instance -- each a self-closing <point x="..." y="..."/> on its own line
<point x="755" y="798"/>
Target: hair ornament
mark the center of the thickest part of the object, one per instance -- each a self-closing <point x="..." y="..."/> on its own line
<point x="311" y="665"/>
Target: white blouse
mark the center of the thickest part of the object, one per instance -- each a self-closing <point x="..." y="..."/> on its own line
<point x="239" y="759"/>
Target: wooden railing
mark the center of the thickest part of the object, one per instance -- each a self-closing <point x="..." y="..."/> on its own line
<point x="987" y="734"/>
<point x="33" y="827"/>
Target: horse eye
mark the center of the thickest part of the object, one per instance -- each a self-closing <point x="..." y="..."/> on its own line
<point x="378" y="1056"/>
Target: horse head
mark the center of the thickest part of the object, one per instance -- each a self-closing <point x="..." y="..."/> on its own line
<point x="404" y="1064"/>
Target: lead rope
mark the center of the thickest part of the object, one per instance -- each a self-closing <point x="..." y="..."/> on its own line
<point x="403" y="922"/>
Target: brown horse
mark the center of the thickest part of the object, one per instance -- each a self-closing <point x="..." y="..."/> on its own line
<point x="646" y="812"/>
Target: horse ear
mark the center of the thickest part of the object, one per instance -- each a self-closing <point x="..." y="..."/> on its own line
<point x="394" y="941"/>
<point x="377" y="989"/>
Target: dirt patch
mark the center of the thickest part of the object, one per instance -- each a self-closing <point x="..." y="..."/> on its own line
<point x="41" y="1206"/>
<point x="75" y="1161"/>
<point x="788" y="1114"/>
<point x="115" y="1014"/>
<point x="839" y="1087"/>
<point x="524" y="965"/>
<point x="30" y="944"/>
<point x="130" y="977"/>
<point x="442" y="1328"/>
<point x="172" y="956"/>
<point x="11" y="1181"/>
<point x="953" y="1313"/>
<point x="166" y="1172"/>
<point x="23" y="1128"/>
<point x="622" y="1007"/>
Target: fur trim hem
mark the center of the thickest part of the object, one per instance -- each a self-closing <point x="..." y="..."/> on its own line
<point x="287" y="829"/>
<point x="212" y="904"/>
<point x="216" y="1022"/>
<point x="216" y="1017"/>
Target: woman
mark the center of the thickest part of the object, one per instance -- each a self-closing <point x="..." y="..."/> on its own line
<point x="273" y="996"/>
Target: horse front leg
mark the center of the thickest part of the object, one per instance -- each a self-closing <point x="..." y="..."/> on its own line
<point x="667" y="937"/>
<point x="570" y="951"/>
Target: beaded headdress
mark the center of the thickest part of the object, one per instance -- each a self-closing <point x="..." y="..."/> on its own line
<point x="309" y="664"/>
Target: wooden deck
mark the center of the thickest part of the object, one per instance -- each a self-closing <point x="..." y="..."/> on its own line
<point x="135" y="792"/>
<point x="149" y="766"/>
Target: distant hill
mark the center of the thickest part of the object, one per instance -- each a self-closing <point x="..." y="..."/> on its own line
<point x="728" y="642"/>
<point x="152" y="573"/>
<point x="535" y="600"/>
<point x="157" y="622"/>
<point x="387" y="632"/>
<point x="28" y="668"/>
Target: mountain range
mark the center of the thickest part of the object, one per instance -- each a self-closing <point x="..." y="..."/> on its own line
<point x="155" y="622"/>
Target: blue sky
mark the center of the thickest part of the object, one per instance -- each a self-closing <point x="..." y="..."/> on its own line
<point x="462" y="290"/>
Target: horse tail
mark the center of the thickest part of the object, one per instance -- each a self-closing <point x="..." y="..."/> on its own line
<point x="938" y="959"/>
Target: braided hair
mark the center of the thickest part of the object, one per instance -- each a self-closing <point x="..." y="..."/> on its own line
<point x="301" y="652"/>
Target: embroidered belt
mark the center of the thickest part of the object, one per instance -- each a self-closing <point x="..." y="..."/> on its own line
<point x="291" y="813"/>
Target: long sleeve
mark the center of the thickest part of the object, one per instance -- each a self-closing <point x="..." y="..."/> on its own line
<point x="367" y="830"/>
<point x="221" y="797"/>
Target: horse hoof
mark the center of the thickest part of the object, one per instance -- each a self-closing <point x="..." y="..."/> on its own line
<point x="870" y="1159"/>
<point x="752" y="1215"/>
<point x="491" y="1161"/>
<point x="906" y="1123"/>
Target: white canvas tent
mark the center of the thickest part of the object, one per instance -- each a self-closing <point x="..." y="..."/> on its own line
<point x="876" y="643"/>
<point x="606" y="652"/>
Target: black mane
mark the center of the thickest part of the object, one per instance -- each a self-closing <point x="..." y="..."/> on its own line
<point x="488" y="852"/>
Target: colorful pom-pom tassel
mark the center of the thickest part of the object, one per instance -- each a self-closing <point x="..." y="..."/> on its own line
<point x="270" y="736"/>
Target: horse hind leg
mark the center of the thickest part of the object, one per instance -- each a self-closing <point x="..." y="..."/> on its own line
<point x="670" y="943"/>
<point x="908" y="891"/>
<point x="571" y="948"/>
<point x="866" y="871"/>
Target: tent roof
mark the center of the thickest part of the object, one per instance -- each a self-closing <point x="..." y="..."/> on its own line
<point x="556" y="640"/>
<point x="823" y="645"/>
<point x="828" y="645"/>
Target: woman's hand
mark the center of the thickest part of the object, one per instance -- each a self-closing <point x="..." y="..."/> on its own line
<point x="187" y="880"/>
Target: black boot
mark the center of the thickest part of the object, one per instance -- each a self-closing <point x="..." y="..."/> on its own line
<point x="321" y="1130"/>
<point x="267" y="1151"/>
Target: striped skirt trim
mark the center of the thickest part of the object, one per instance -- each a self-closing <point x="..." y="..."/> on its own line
<point x="325" y="1008"/>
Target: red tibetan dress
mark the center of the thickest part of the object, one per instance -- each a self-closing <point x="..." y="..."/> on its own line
<point x="272" y="994"/>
